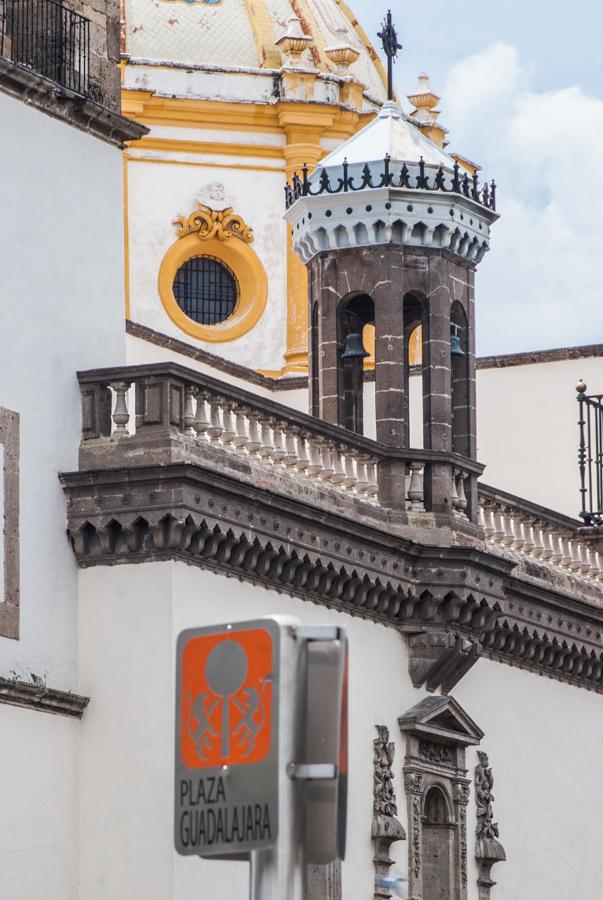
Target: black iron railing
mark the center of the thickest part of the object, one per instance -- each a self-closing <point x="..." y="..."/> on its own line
<point x="48" y="38"/>
<point x="416" y="178"/>
<point x="590" y="456"/>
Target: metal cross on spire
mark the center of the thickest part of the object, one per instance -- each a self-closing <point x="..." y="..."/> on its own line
<point x="389" y="39"/>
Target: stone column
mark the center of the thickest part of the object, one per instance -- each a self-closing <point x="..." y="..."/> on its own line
<point x="437" y="390"/>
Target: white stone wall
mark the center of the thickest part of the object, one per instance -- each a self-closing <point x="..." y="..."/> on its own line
<point x="129" y="619"/>
<point x="544" y="742"/>
<point x="173" y="185"/>
<point x="61" y="310"/>
<point x="38" y="824"/>
<point x="543" y="737"/>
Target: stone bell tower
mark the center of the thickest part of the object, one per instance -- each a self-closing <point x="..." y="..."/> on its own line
<point x="392" y="229"/>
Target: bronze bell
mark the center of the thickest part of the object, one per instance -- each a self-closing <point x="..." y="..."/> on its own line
<point x="354" y="348"/>
<point x="455" y="341"/>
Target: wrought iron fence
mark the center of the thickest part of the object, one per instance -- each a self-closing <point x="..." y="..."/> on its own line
<point x="415" y="178"/>
<point x="590" y="456"/>
<point x="48" y="38"/>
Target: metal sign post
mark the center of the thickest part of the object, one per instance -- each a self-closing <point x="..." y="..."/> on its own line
<point x="261" y="748"/>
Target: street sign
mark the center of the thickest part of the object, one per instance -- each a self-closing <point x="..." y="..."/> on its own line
<point x="227" y="753"/>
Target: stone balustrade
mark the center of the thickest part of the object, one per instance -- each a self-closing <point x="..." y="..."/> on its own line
<point x="530" y="532"/>
<point x="131" y="407"/>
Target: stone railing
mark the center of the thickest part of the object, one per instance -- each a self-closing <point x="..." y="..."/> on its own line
<point x="141" y="410"/>
<point x="531" y="532"/>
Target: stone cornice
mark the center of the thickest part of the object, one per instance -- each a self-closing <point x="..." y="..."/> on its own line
<point x="42" y="698"/>
<point x="342" y="558"/>
<point x="69" y="107"/>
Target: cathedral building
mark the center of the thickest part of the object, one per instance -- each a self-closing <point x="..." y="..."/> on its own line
<point x="238" y="380"/>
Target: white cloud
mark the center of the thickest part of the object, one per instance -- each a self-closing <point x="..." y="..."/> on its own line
<point x="539" y="286"/>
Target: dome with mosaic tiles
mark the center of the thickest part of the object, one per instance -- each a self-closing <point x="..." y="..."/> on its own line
<point x="254" y="35"/>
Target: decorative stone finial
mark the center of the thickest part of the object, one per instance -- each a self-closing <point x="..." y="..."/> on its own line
<point x="581" y="386"/>
<point x="294" y="42"/>
<point x="343" y="57"/>
<point x="425" y="115"/>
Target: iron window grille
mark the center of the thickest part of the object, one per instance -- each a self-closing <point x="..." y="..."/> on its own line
<point x="206" y="290"/>
<point x="590" y="457"/>
<point x="48" y="38"/>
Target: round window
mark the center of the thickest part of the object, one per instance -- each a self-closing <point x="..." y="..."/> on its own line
<point x="206" y="290"/>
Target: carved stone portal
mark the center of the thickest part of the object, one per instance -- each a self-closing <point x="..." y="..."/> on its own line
<point x="488" y="849"/>
<point x="437" y="732"/>
<point x="386" y="827"/>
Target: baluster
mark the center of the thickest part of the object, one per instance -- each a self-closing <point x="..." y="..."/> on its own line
<point x="121" y="416"/>
<point x="537" y="534"/>
<point x="338" y="475"/>
<point x="266" y="448"/>
<point x="214" y="429"/>
<point x="415" y="489"/>
<point x="189" y="409"/>
<point x="593" y="568"/>
<point x="455" y="499"/>
<point x="350" y="471"/>
<point x="487" y="520"/>
<point x="278" y="452"/>
<point x="528" y="542"/>
<point x="513" y="538"/>
<point x="315" y="466"/>
<point x="557" y="549"/>
<point x="362" y="484"/>
<point x="240" y="439"/>
<point x="371" y="475"/>
<point x="302" y="461"/>
<point x="327" y="461"/>
<point x="566" y="552"/>
<point x="461" y="493"/>
<point x="290" y="457"/>
<point x="499" y="525"/>
<point x="547" y="544"/>
<point x="228" y="433"/>
<point x="574" y="552"/>
<point x="254" y="443"/>
<point x="585" y="564"/>
<point x="201" y="423"/>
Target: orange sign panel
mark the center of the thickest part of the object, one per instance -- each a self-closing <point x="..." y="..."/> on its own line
<point x="226" y="691"/>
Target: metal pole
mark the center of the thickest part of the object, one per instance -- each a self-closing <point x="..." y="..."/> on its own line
<point x="277" y="874"/>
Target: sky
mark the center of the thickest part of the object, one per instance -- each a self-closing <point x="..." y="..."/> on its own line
<point x="522" y="94"/>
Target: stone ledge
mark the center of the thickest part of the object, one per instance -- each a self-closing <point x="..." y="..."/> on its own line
<point x="188" y="513"/>
<point x="67" y="106"/>
<point x="42" y="698"/>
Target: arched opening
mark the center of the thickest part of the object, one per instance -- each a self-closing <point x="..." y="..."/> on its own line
<point x="354" y="315"/>
<point x="415" y="328"/>
<point x="437" y="845"/>
<point x="459" y="370"/>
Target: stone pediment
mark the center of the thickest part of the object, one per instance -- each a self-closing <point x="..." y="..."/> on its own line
<point x="442" y="718"/>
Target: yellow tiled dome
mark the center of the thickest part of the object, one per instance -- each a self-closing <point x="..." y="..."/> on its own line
<point x="229" y="35"/>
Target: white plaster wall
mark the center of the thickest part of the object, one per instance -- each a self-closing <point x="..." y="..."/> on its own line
<point x="38" y="823"/>
<point x="129" y="619"/>
<point x="160" y="191"/>
<point x="544" y="740"/>
<point x="61" y="309"/>
<point x="527" y="429"/>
